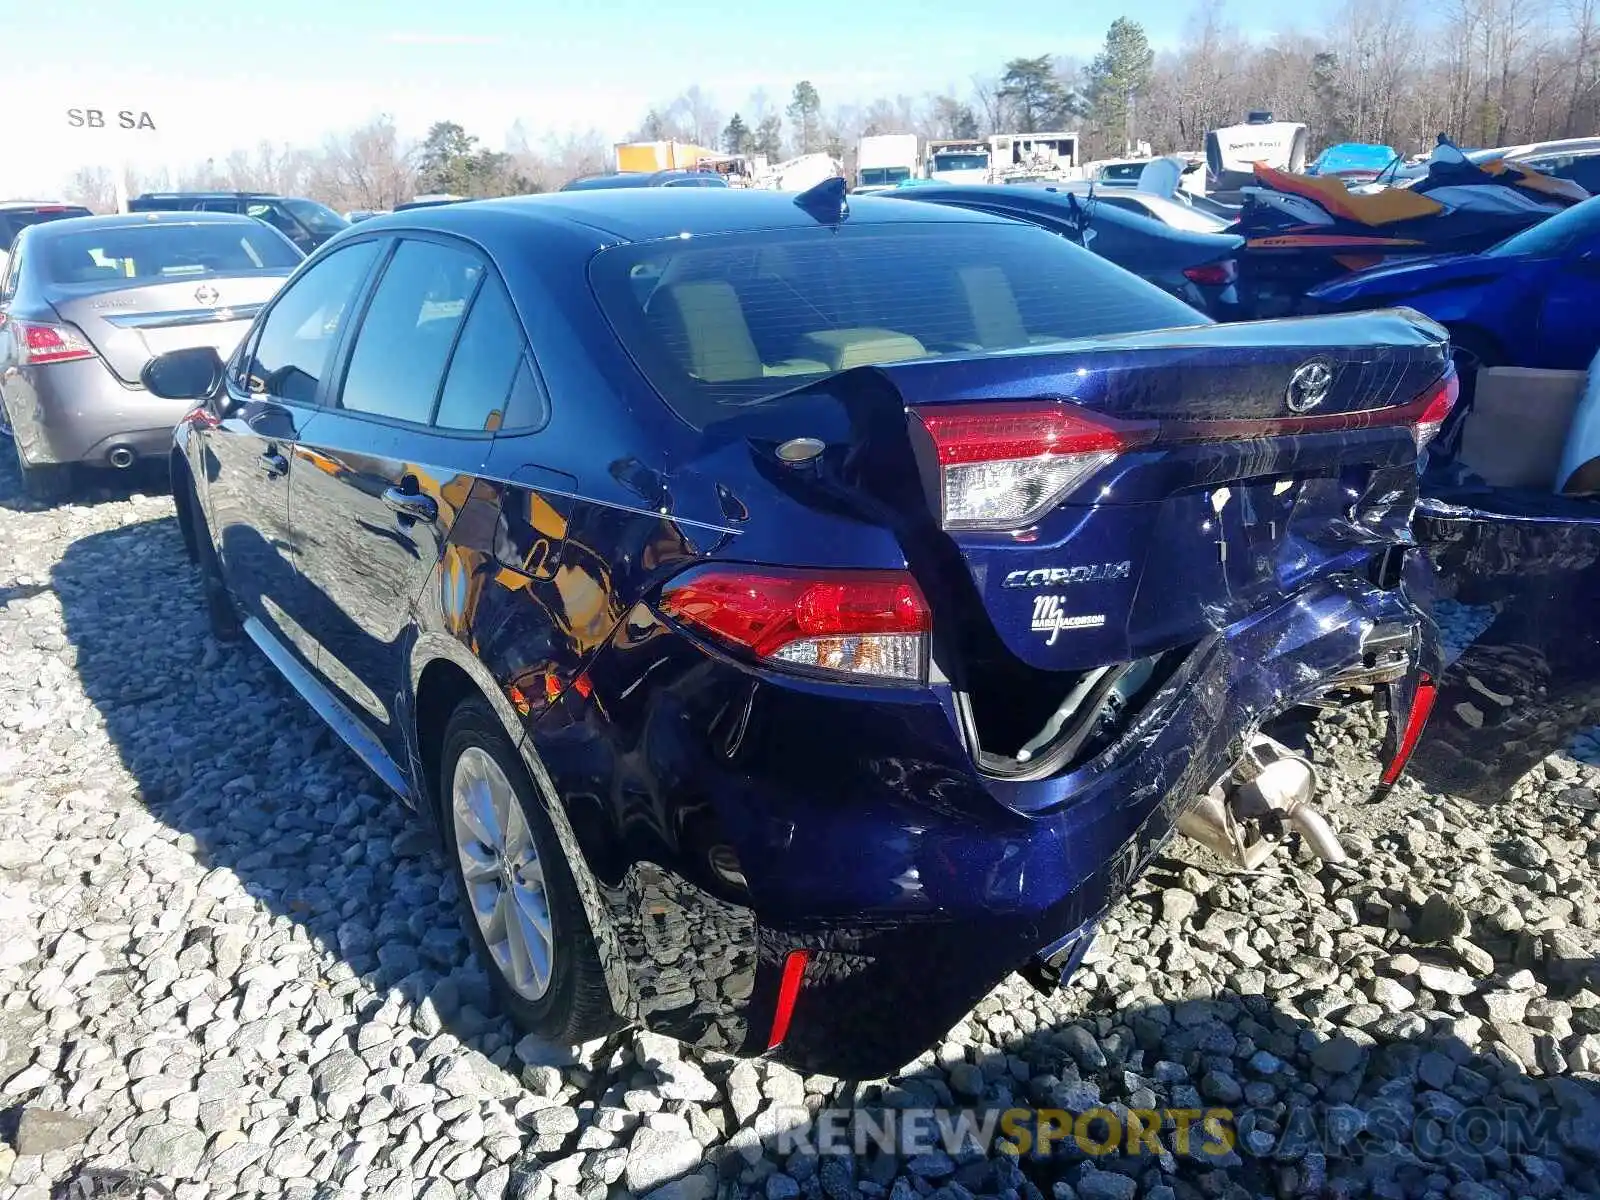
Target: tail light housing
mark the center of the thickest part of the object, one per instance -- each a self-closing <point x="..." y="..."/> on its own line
<point x="1003" y="465"/>
<point x="41" y="344"/>
<point x="1436" y="406"/>
<point x="1217" y="274"/>
<point x="863" y="625"/>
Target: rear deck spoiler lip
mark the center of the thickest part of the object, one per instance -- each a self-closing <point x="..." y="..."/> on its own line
<point x="1055" y="367"/>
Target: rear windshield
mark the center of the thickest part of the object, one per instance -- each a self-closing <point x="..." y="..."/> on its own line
<point x="730" y="320"/>
<point x="1554" y="236"/>
<point x="960" y="162"/>
<point x="151" y="252"/>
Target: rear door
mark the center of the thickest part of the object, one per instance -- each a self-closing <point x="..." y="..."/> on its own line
<point x="427" y="382"/>
<point x="1519" y="608"/>
<point x="275" y="385"/>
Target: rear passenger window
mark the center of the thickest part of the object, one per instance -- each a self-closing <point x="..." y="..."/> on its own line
<point x="410" y="327"/>
<point x="485" y="359"/>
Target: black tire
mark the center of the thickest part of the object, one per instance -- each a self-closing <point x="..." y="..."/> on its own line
<point x="221" y="614"/>
<point x="46" y="482"/>
<point x="576" y="1006"/>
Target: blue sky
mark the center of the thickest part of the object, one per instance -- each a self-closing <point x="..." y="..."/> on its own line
<point x="216" y="75"/>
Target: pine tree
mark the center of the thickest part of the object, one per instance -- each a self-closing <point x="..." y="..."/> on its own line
<point x="805" y="115"/>
<point x="737" y="138"/>
<point x="1119" y="75"/>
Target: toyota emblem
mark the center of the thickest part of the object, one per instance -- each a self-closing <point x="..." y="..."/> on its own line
<point x="206" y="294"/>
<point x="1309" y="385"/>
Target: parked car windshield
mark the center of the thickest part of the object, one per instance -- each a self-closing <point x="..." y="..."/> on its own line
<point x="318" y="218"/>
<point x="1555" y="235"/>
<point x="725" y="321"/>
<point x="960" y="162"/>
<point x="144" y="253"/>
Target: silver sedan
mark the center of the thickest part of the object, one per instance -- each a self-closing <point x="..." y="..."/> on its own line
<point x="86" y="302"/>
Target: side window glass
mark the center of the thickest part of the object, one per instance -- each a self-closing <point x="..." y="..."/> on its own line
<point x="481" y="369"/>
<point x="295" y="343"/>
<point x="527" y="407"/>
<point x="408" y="332"/>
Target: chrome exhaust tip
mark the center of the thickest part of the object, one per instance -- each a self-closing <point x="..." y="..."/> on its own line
<point x="121" y="457"/>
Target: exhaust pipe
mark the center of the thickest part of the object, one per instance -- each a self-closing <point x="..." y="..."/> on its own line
<point x="121" y="457"/>
<point x="1270" y="785"/>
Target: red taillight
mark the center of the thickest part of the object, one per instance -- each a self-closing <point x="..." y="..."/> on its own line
<point x="794" y="970"/>
<point x="51" y="343"/>
<point x="1218" y="274"/>
<point x="1436" y="406"/>
<point x="859" y="623"/>
<point x="1416" y="720"/>
<point x="1003" y="465"/>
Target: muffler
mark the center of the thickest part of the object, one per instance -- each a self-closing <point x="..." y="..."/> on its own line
<point x="121" y="457"/>
<point x="1242" y="817"/>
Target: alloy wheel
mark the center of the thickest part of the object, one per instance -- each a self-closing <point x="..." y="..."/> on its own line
<point x="502" y="874"/>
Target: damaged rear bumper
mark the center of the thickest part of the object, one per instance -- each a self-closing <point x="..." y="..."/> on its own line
<point x="1027" y="890"/>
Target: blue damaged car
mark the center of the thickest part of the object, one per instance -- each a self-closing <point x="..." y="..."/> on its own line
<point x="795" y="616"/>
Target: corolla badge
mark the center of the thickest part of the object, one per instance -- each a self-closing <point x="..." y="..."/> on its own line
<point x="206" y="294"/>
<point x="1309" y="385"/>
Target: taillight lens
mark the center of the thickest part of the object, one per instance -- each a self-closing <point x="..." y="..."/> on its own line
<point x="51" y="343"/>
<point x="864" y="624"/>
<point x="1416" y="722"/>
<point x="1218" y="274"/>
<point x="1004" y="465"/>
<point x="1436" y="408"/>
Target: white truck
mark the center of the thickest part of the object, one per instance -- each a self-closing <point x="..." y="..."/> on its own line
<point x="959" y="160"/>
<point x="885" y="160"/>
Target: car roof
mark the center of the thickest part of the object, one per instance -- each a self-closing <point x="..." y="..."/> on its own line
<point x="206" y="195"/>
<point x="646" y="214"/>
<point x="67" y="225"/>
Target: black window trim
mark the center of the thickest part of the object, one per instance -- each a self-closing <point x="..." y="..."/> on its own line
<point x="346" y="349"/>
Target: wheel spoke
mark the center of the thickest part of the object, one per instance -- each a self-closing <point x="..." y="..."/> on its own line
<point x="520" y="941"/>
<point x="476" y="812"/>
<point x="478" y="864"/>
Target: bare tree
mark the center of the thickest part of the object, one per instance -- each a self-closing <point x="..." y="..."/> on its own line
<point x="93" y="187"/>
<point x="368" y="168"/>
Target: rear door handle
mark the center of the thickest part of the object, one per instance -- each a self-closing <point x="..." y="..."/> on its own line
<point x="273" y="463"/>
<point x="413" y="506"/>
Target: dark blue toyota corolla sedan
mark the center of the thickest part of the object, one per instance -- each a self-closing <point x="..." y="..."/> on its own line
<point x="796" y="618"/>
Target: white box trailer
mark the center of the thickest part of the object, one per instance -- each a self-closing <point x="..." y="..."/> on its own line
<point x="1053" y="154"/>
<point x="884" y="160"/>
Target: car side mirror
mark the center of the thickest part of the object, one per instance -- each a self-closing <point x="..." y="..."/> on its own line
<point x="193" y="373"/>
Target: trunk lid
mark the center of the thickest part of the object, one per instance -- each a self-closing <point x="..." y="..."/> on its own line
<point x="1249" y="460"/>
<point x="1218" y="500"/>
<point x="129" y="326"/>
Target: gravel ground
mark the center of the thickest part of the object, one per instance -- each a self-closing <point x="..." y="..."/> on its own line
<point x="228" y="961"/>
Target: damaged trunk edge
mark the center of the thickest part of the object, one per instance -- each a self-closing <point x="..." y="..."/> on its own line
<point x="1233" y="503"/>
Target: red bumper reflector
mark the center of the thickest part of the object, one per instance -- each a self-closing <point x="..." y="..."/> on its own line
<point x="794" y="969"/>
<point x="1416" y="720"/>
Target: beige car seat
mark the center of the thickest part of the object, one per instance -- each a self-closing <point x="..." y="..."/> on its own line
<point x="705" y="324"/>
